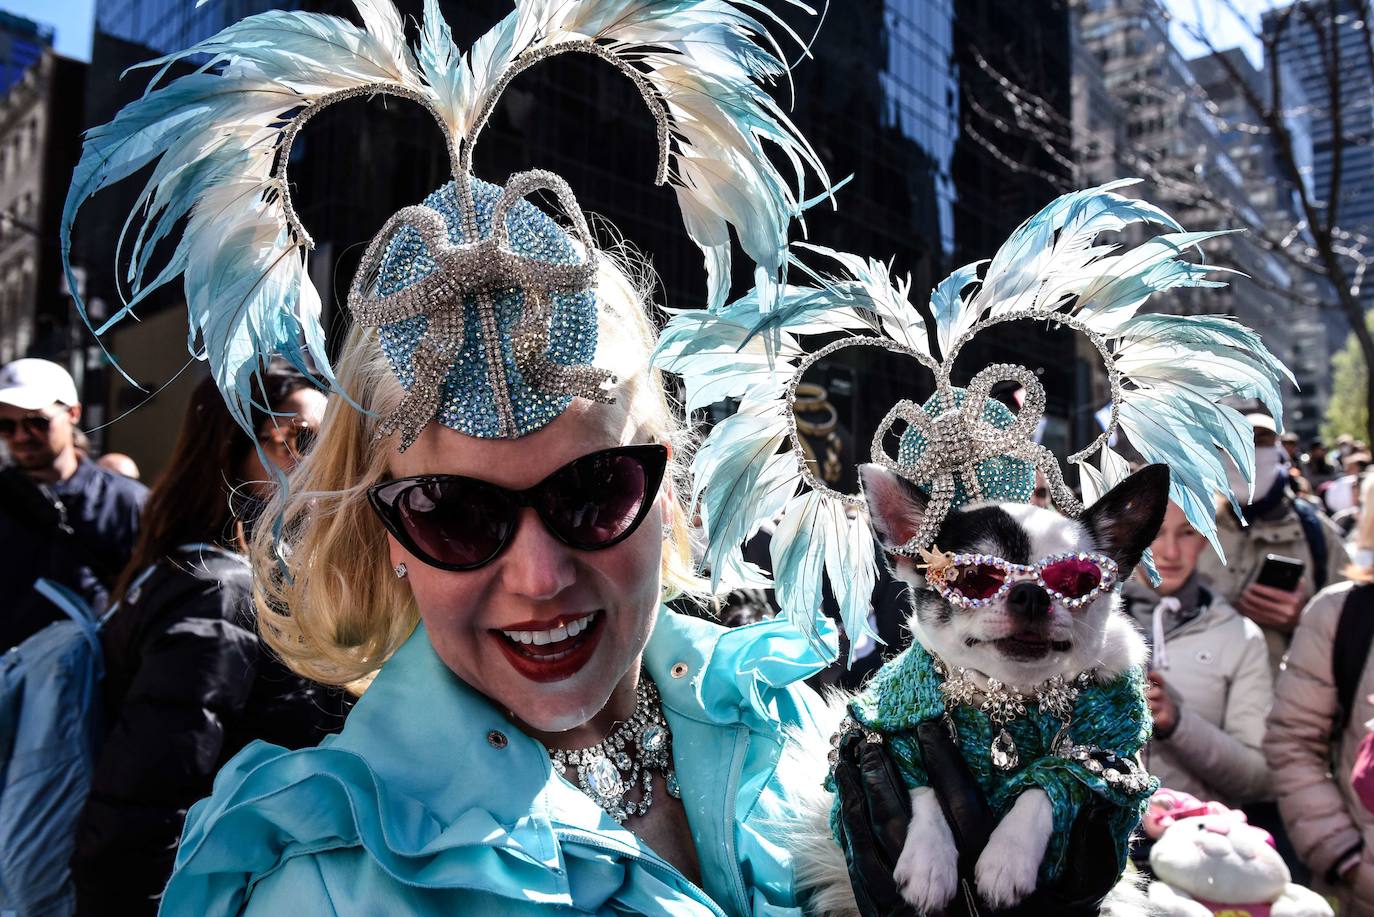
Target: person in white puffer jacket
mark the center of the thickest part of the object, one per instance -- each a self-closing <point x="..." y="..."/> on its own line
<point x="1211" y="686"/>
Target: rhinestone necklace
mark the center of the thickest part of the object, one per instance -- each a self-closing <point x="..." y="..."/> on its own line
<point x="1003" y="703"/>
<point x="632" y="752"/>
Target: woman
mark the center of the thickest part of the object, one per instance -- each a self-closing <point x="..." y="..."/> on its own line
<point x="188" y="682"/>
<point x="1210" y="687"/>
<point x="488" y="521"/>
<point x="1312" y="745"/>
<point x="440" y="794"/>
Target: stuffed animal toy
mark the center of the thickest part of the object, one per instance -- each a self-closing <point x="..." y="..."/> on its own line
<point x="1215" y="863"/>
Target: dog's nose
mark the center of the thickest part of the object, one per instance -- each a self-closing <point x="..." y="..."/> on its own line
<point x="1029" y="601"/>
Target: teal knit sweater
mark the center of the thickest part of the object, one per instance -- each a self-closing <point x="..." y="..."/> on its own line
<point x="1113" y="717"/>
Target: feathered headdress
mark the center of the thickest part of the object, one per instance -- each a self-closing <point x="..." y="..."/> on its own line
<point x="1168" y="376"/>
<point x="219" y="141"/>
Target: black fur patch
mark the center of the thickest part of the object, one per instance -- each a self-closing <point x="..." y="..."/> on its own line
<point x="964" y="531"/>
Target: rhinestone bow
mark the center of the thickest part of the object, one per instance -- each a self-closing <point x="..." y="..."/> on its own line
<point x="476" y="272"/>
<point x="958" y="437"/>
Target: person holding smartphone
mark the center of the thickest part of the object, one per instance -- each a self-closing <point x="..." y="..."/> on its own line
<point x="1271" y="521"/>
<point x="1210" y="686"/>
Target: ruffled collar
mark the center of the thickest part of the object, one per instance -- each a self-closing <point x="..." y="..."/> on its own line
<point x="410" y="780"/>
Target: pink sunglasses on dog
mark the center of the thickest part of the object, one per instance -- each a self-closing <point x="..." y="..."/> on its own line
<point x="974" y="580"/>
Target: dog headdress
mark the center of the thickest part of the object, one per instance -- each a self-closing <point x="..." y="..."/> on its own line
<point x="1168" y="375"/>
<point x="485" y="306"/>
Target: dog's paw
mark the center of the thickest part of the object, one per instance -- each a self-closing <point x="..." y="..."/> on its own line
<point x="1009" y="866"/>
<point x="1005" y="874"/>
<point x="927" y="872"/>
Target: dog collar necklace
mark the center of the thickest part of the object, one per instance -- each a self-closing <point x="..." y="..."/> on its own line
<point x="1002" y="703"/>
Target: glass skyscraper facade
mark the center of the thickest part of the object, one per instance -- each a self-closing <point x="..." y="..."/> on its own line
<point x="22" y="42"/>
<point x="1301" y="51"/>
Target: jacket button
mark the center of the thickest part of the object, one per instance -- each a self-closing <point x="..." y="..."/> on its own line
<point x="497" y="739"/>
<point x="678" y="670"/>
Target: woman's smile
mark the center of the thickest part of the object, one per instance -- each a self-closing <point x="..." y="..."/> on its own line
<point x="552" y="651"/>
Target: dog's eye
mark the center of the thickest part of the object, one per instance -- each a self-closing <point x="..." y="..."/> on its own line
<point x="1071" y="577"/>
<point x="976" y="581"/>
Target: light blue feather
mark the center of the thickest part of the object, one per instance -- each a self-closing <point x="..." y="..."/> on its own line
<point x="211" y="138"/>
<point x="741" y="481"/>
<point x="799" y="562"/>
<point x="947" y="304"/>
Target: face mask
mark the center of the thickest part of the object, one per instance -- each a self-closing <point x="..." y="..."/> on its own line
<point x="1270" y="462"/>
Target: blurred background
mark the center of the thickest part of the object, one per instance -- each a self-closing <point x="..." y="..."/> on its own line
<point x="956" y="118"/>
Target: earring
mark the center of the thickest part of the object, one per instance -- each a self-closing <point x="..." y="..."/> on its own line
<point x="400" y="571"/>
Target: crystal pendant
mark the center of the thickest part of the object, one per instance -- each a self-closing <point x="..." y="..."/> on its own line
<point x="604" y="780"/>
<point x="654" y="742"/>
<point x="674" y="790"/>
<point x="1003" y="751"/>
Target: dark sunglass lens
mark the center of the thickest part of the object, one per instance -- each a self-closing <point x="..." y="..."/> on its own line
<point x="455" y="522"/>
<point x="596" y="499"/>
<point x="976" y="581"/>
<point x="1071" y="577"/>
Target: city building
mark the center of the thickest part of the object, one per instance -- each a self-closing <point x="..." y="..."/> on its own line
<point x="1303" y="44"/>
<point x="40" y="125"/>
<point x="22" y="43"/>
<point x="1207" y="174"/>
<point x="1305" y="312"/>
<point x="892" y="96"/>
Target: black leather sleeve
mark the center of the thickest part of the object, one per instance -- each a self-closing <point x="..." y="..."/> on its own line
<point x="875" y="809"/>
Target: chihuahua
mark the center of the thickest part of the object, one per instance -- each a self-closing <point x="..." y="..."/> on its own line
<point x="1021" y="616"/>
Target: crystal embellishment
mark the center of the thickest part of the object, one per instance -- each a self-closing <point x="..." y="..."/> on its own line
<point x="604" y="779"/>
<point x="1003" y="751"/>
<point x="1002" y="704"/>
<point x="618" y="772"/>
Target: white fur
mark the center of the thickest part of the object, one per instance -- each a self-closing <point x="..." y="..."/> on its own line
<point x="818" y="864"/>
<point x="1007" y="870"/>
<point x="927" y="872"/>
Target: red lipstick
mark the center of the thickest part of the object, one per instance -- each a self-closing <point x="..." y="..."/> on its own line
<point x="551" y="661"/>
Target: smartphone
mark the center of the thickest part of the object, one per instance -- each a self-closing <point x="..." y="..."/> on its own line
<point x="1280" y="572"/>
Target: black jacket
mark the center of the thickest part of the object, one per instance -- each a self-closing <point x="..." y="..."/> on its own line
<point x="188" y="683"/>
<point x="100" y="508"/>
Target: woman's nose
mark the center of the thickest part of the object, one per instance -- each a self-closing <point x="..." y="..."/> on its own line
<point x="536" y="565"/>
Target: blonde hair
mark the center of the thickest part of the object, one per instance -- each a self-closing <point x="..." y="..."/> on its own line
<point x="327" y="600"/>
<point x="1364" y="533"/>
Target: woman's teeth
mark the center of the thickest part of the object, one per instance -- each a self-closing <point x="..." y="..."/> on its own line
<point x="557" y="634"/>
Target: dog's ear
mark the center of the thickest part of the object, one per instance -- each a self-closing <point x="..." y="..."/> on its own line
<point x="895" y="505"/>
<point x="1127" y="517"/>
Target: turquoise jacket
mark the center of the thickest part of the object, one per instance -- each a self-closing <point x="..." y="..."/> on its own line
<point x="418" y="807"/>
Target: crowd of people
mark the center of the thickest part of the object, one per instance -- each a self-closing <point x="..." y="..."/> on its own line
<point x="187" y="681"/>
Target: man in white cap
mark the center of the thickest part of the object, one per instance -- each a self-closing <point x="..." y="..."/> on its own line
<point x="62" y="517"/>
<point x="1278" y="523"/>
